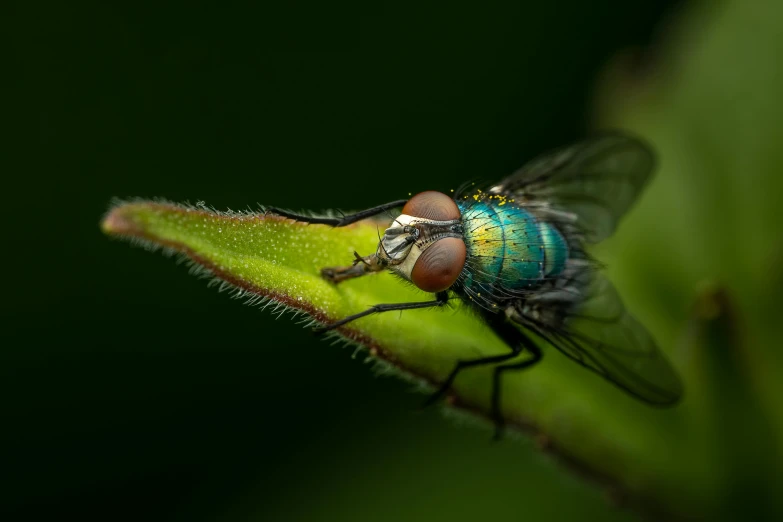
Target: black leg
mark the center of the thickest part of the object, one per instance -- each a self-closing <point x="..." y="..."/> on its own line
<point x="506" y="332"/>
<point x="517" y="341"/>
<point x="339" y="222"/>
<point x="461" y="365"/>
<point x="497" y="415"/>
<point x="441" y="299"/>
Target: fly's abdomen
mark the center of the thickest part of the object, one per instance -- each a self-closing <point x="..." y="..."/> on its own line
<point x="555" y="249"/>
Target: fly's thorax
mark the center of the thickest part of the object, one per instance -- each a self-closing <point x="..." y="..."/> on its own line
<point x="510" y="249"/>
<point x="427" y="252"/>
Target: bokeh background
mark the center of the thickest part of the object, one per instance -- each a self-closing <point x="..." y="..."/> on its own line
<point x="130" y="391"/>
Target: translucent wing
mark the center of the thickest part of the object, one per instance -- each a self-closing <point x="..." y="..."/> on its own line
<point x="586" y="320"/>
<point x="596" y="181"/>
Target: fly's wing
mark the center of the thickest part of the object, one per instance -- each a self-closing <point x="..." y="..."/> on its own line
<point x="586" y="320"/>
<point x="591" y="185"/>
<point x="595" y="181"/>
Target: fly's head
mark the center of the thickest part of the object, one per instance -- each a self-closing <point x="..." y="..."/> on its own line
<point x="425" y="243"/>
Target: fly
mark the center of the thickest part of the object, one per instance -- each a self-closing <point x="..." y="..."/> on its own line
<point x="515" y="254"/>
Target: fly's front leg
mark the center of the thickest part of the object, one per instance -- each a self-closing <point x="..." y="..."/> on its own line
<point x="401" y="237"/>
<point x="342" y="221"/>
<point x="441" y="298"/>
<point x="361" y="266"/>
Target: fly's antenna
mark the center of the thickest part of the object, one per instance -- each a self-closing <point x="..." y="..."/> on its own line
<point x="380" y="241"/>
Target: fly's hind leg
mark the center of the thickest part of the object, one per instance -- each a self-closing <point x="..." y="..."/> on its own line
<point x="517" y="342"/>
<point x="497" y="415"/>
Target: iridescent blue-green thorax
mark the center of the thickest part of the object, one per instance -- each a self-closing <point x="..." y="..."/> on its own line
<point x="508" y="248"/>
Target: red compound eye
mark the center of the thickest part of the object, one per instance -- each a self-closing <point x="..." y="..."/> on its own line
<point x="432" y="205"/>
<point x="439" y="265"/>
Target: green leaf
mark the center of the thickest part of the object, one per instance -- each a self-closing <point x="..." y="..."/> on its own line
<point x="277" y="261"/>
<point x="706" y="238"/>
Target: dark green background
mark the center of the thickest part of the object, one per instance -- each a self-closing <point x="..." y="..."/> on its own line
<point x="130" y="391"/>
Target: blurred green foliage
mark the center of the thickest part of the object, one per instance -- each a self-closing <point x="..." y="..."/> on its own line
<point x="706" y="236"/>
<point x="130" y="391"/>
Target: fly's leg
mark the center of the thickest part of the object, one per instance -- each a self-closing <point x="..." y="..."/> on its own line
<point x="336" y="274"/>
<point x="497" y="416"/>
<point x="361" y="266"/>
<point x="517" y="342"/>
<point x="440" y="300"/>
<point x="461" y="365"/>
<point x="339" y="222"/>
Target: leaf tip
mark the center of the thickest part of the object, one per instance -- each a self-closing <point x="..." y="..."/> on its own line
<point x="118" y="221"/>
